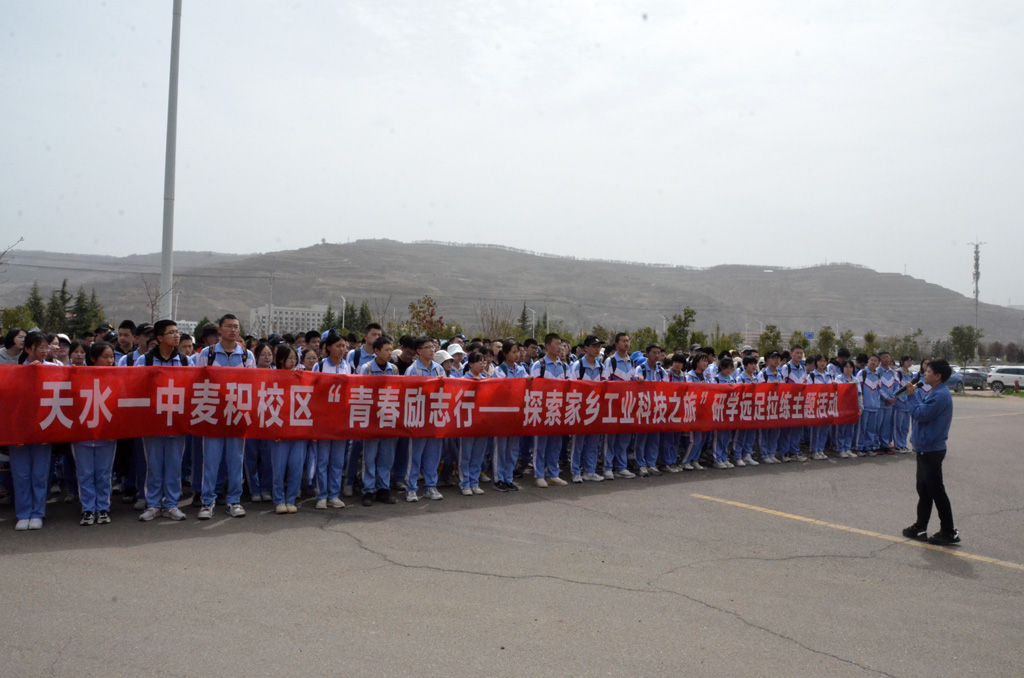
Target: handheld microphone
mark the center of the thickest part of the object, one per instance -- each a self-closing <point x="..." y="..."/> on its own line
<point x="917" y="378"/>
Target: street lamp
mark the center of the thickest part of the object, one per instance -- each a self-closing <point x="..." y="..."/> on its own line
<point x="343" y="305"/>
<point x="533" y="323"/>
<point x="664" y="324"/>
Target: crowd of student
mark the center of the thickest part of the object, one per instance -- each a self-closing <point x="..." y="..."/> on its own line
<point x="150" y="473"/>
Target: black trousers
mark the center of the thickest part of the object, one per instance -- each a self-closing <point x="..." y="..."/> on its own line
<point x="930" y="490"/>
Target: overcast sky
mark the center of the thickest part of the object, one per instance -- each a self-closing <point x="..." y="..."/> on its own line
<point x="697" y="133"/>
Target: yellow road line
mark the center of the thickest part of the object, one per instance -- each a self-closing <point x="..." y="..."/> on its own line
<point x="868" y="533"/>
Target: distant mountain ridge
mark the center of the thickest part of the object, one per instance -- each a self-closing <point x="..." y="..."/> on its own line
<point x="579" y="293"/>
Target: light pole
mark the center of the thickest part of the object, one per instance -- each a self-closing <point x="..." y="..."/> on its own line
<point x="664" y="324"/>
<point x="533" y="323"/>
<point x="167" y="249"/>
<point x="343" y="305"/>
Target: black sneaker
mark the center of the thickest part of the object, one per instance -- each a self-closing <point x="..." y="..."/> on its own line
<point x="103" y="518"/>
<point x="385" y="497"/>
<point x="88" y="518"/>
<point x="197" y="500"/>
<point x="501" y="486"/>
<point x="399" y="486"/>
<point x="945" y="539"/>
<point x="512" y="487"/>
<point x="915" y="532"/>
<point x="367" y="500"/>
<point x="517" y="472"/>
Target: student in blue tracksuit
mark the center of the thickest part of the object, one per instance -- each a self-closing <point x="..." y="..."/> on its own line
<point x="901" y="409"/>
<point x="769" y="437"/>
<point x="258" y="466"/>
<point x="587" y="446"/>
<point x="163" y="453"/>
<point x="870" y="419"/>
<point x="932" y="413"/>
<point x="94" y="459"/>
<point x="507" y="448"/>
<point x="720" y="439"/>
<point x="286" y="456"/>
<point x="378" y="453"/>
<point x="743" y="442"/>
<point x="424" y="453"/>
<point x="888" y="385"/>
<point x="618" y="367"/>
<point x="648" y="445"/>
<point x="547" y="448"/>
<point x="817" y="374"/>
<point x="227" y="352"/>
<point x="330" y="454"/>
<point x="357" y="357"/>
<point x="699" y="363"/>
<point x="845" y="433"/>
<point x="472" y="450"/>
<point x="670" y="440"/>
<point x="30" y="464"/>
<point x="793" y="372"/>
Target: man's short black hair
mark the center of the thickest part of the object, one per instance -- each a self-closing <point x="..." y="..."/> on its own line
<point x="312" y="334"/>
<point x="651" y="346"/>
<point x="862" y="357"/>
<point x="551" y="336"/>
<point x="749" y="360"/>
<point x="843" y="353"/>
<point x="406" y="341"/>
<point x="226" y="316"/>
<point x="161" y="326"/>
<point x="679" y="358"/>
<point x="941" y="367"/>
<point x="372" y="326"/>
<point x="127" y="325"/>
<point x="423" y="341"/>
<point x="619" y="335"/>
<point x="795" y="347"/>
<point x="381" y="341"/>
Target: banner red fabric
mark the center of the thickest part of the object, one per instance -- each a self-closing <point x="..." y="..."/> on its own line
<point x="46" y="404"/>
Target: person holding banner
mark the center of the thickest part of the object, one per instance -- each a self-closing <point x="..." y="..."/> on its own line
<point x="162" y="487"/>
<point x="30" y="464"/>
<point x="545" y="454"/>
<point x="378" y="453"/>
<point x="286" y="456"/>
<point x="587" y="446"/>
<point x="424" y="453"/>
<point x="472" y="450"/>
<point x="618" y="367"/>
<point x="94" y="459"/>
<point x="769" y="437"/>
<point x="227" y="352"/>
<point x="691" y="462"/>
<point x="507" y="448"/>
<point x="648" y="444"/>
<point x="330" y="454"/>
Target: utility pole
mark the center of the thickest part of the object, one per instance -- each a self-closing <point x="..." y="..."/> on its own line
<point x="167" y="248"/>
<point x="977" y="275"/>
<point x="533" y="323"/>
<point x="270" y="308"/>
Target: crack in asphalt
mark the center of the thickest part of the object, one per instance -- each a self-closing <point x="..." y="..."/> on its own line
<point x="992" y="513"/>
<point x="655" y="590"/>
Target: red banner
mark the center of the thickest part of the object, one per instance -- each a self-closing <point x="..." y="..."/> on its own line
<point x="45" y="404"/>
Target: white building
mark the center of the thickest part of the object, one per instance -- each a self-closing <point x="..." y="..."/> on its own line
<point x="282" y="319"/>
<point x="187" y="326"/>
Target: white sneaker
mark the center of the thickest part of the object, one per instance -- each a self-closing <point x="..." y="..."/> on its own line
<point x="173" y="513"/>
<point x="719" y="464"/>
<point x="643" y="472"/>
<point x="206" y="512"/>
<point x="477" y="490"/>
<point x="673" y="468"/>
<point x="608" y="475"/>
<point x="577" y="478"/>
<point x="281" y="508"/>
<point x="540" y="482"/>
<point x="593" y="478"/>
<point x="411" y="497"/>
<point x="256" y="497"/>
<point x="321" y="504"/>
<point x="467" y="492"/>
<point x="729" y="464"/>
<point x="336" y="503"/>
<point x="800" y="457"/>
<point x="140" y="504"/>
<point x="625" y="473"/>
<point x="556" y="481"/>
<point x="266" y="496"/>
<point x="697" y="467"/>
<point x="740" y="462"/>
<point x="432" y="494"/>
<point x="749" y="461"/>
<point x="236" y="511"/>
<point x="688" y="467"/>
<point x="653" y="470"/>
<point x="21" y="525"/>
<point x="35" y="523"/>
<point x="149" y="514"/>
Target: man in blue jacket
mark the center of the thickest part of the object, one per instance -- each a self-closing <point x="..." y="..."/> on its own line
<point x="932" y="413"/>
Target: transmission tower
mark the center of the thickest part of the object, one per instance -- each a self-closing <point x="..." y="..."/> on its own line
<point x="977" y="275"/>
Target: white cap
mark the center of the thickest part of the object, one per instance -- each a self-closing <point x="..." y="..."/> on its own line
<point x="453" y="350"/>
<point x="441" y="356"/>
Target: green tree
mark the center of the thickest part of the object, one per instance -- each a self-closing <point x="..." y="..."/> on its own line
<point x="699" y="337"/>
<point x="16" y="316"/>
<point x="965" y="340"/>
<point x="870" y="338"/>
<point x="995" y="350"/>
<point x="846" y="341"/>
<point x="330" y="321"/>
<point x="769" y="340"/>
<point x="826" y="341"/>
<point x="602" y="333"/>
<point x="796" y="339"/>
<point x="55" y="316"/>
<point x="425" y="318"/>
<point x="351" y="319"/>
<point x="82" y="318"/>
<point x="677" y="335"/>
<point x="643" y="337"/>
<point x="524" y="322"/>
<point x="364" y="317"/>
<point x="95" y="308"/>
<point x="36" y="307"/>
<point x="942" y="348"/>
<point x="908" y="344"/>
<point x="725" y="342"/>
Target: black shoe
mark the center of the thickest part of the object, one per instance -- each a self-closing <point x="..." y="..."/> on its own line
<point x="399" y="486"/>
<point x="517" y="472"/>
<point x="88" y="518"/>
<point x="385" y="497"/>
<point x="512" y="487"/>
<point x="501" y="486"/>
<point x="367" y="500"/>
<point x="945" y="539"/>
<point x="915" y="532"/>
<point x="103" y="518"/>
<point x="197" y="500"/>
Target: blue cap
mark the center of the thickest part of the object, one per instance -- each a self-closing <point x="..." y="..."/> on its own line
<point x="323" y="337"/>
<point x="636" y="356"/>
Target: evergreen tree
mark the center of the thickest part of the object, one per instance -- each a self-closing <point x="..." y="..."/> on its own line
<point x="769" y="340"/>
<point x="53" y="317"/>
<point x="677" y="335"/>
<point x="81" y="318"/>
<point x="36" y="306"/>
<point x="95" y="309"/>
<point x="330" y="320"/>
<point x="350" y="316"/>
<point x="365" y="317"/>
<point x="524" y="322"/>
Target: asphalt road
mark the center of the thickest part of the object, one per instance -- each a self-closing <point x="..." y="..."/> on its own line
<point x="631" y="577"/>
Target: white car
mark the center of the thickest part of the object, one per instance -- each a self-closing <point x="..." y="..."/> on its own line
<point x="1005" y="376"/>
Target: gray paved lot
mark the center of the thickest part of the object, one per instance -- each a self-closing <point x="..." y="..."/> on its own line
<point x="635" y="577"/>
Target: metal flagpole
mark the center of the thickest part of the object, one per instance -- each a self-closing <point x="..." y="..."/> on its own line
<point x="167" y="252"/>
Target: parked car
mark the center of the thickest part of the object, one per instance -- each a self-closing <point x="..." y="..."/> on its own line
<point x="975" y="379"/>
<point x="1005" y="376"/>
<point x="956" y="382"/>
